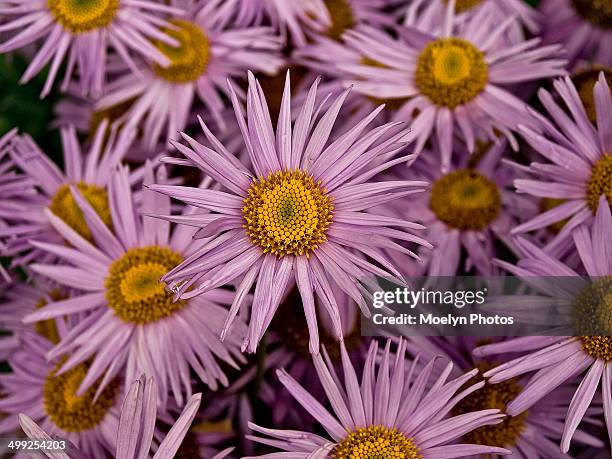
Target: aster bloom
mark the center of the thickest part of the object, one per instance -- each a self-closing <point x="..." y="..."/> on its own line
<point x="81" y="33"/>
<point x="532" y="433"/>
<point x="557" y="359"/>
<point x="584" y="27"/>
<point x="211" y="51"/>
<point x="134" y="326"/>
<point x="579" y="159"/>
<point x="390" y="414"/>
<point x="454" y="77"/>
<point x="36" y="389"/>
<point x="298" y="213"/>
<point x="469" y="208"/>
<point x="89" y="171"/>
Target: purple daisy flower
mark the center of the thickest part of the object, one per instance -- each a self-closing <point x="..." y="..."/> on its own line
<point x="533" y="433"/>
<point x="584" y="27"/>
<point x="211" y="51"/>
<point x="557" y="359"/>
<point x="390" y="414"/>
<point x="579" y="160"/>
<point x="300" y="211"/>
<point x="454" y="77"/>
<point x="35" y="388"/>
<point x="89" y="172"/>
<point x="134" y="326"/>
<point x="81" y="34"/>
<point x="469" y="208"/>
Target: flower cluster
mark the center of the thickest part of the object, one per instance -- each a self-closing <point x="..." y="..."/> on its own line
<point x="188" y="247"/>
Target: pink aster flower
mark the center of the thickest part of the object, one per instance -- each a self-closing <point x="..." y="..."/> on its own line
<point x="133" y="325"/>
<point x="81" y="35"/>
<point x="557" y="359"/>
<point x="578" y="159"/>
<point x="211" y="51"/>
<point x="390" y="412"/>
<point x="300" y="212"/>
<point x="471" y="208"/>
<point x="89" y="171"/>
<point x="533" y="433"/>
<point x="454" y="77"/>
<point x="36" y="390"/>
<point x="584" y="28"/>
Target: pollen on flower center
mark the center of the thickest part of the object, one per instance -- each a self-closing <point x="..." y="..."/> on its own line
<point x="600" y="182"/>
<point x="376" y="442"/>
<point x="188" y="60"/>
<point x="70" y="412"/>
<point x="465" y="200"/>
<point x="342" y="17"/>
<point x="592" y="318"/>
<point x="80" y="16"/>
<point x="464" y="5"/>
<point x="133" y="289"/>
<point x="597" y="12"/>
<point x="494" y="396"/>
<point x="451" y="72"/>
<point x="287" y="213"/>
<point x="584" y="81"/>
<point x="65" y="207"/>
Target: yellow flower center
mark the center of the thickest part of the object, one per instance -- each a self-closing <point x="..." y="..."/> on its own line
<point x="592" y="318"/>
<point x="70" y="412"/>
<point x="47" y="327"/>
<point x="188" y="60"/>
<point x="584" y="81"/>
<point x="494" y="396"/>
<point x="465" y="200"/>
<point x="342" y="18"/>
<point x="464" y="5"/>
<point x="287" y="213"/>
<point x="600" y="182"/>
<point x="133" y="289"/>
<point x="597" y="12"/>
<point x="65" y="207"/>
<point x="451" y="72"/>
<point x="80" y="16"/>
<point x="376" y="442"/>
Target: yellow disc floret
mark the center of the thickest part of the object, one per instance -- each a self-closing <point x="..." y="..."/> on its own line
<point x="80" y="16"/>
<point x="465" y="200"/>
<point x="494" y="396"/>
<point x="341" y="15"/>
<point x="451" y="72"/>
<point x="597" y="12"/>
<point x="465" y="5"/>
<point x="65" y="207"/>
<point x="287" y="213"/>
<point x="47" y="327"/>
<point x="376" y="442"/>
<point x="600" y="182"/>
<point x="70" y="412"/>
<point x="592" y="318"/>
<point x="133" y="288"/>
<point x="189" y="60"/>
